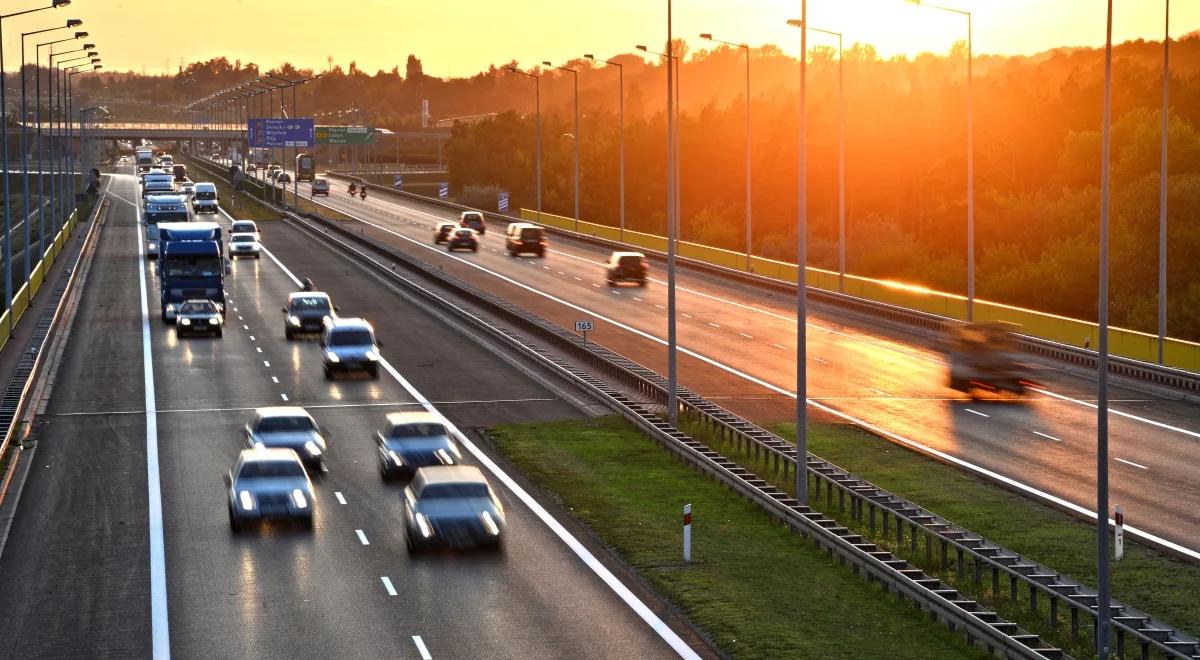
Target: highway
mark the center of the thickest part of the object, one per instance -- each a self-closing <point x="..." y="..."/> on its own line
<point x="123" y="426"/>
<point x="738" y="343"/>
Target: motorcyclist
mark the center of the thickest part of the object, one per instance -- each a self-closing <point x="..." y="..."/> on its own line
<point x="353" y="189"/>
<point x="363" y="192"/>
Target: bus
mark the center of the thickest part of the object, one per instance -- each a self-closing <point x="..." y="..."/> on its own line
<point x="306" y="167"/>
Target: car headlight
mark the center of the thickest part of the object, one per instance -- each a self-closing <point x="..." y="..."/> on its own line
<point x="372" y="356"/>
<point x="247" y="500"/>
<point x="293" y="319"/>
<point x="185" y="321"/>
<point x="213" y="321"/>
<point x="299" y="499"/>
<point x="312" y="448"/>
<point x="423" y="525"/>
<point x="170" y="307"/>
<point x="444" y="456"/>
<point x="489" y="524"/>
<point x="395" y="457"/>
<point x="332" y="357"/>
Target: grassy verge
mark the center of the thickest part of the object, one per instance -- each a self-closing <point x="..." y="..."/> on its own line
<point x="1145" y="579"/>
<point x="753" y="586"/>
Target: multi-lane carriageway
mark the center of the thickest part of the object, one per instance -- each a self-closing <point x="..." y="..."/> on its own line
<point x="738" y="344"/>
<point x="141" y="426"/>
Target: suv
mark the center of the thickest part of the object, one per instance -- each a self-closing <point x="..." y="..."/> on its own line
<point x="349" y="345"/>
<point x="525" y="237"/>
<point x="307" y="311"/>
<point x="473" y="220"/>
<point x="205" y="198"/>
<point x="443" y="231"/>
<point x="320" y="187"/>
<point x="626" y="267"/>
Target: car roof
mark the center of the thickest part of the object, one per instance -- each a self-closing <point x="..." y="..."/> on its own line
<point x="266" y="454"/>
<point x="628" y="254"/>
<point x="349" y="323"/>
<point x="207" y="184"/>
<point x="307" y="294"/>
<point x="451" y="474"/>
<point x="280" y="411"/>
<point x="524" y="225"/>
<point x="472" y="213"/>
<point x="413" y="417"/>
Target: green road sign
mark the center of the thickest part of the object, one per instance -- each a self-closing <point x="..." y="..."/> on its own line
<point x="345" y="135"/>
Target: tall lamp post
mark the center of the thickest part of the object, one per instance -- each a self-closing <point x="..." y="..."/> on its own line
<point x="295" y="150"/>
<point x="42" y="147"/>
<point x="621" y="131"/>
<point x="72" y="187"/>
<point x="1103" y="613"/>
<point x="801" y="283"/>
<point x="749" y="216"/>
<point x="64" y="112"/>
<point x="970" y="156"/>
<point x="575" y="73"/>
<point x="537" y="104"/>
<point x="1162" y="188"/>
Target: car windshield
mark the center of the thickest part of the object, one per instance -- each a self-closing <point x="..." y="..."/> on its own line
<point x="205" y="194"/>
<point x="242" y="227"/>
<point x="242" y="238"/>
<point x="421" y="430"/>
<point x="258" y="469"/>
<point x="197" y="308"/>
<point x="351" y="338"/>
<point x="310" y="304"/>
<point x="284" y="424"/>
<point x="630" y="261"/>
<point x="168" y="216"/>
<point x="192" y="266"/>
<point x="453" y="490"/>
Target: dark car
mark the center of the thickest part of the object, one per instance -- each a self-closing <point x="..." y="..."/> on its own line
<point x="411" y="440"/>
<point x="441" y="233"/>
<point x="463" y="239"/>
<point x="198" y="317"/>
<point x="627" y="267"/>
<point x="525" y="237"/>
<point x="306" y="311"/>
<point x="473" y="220"/>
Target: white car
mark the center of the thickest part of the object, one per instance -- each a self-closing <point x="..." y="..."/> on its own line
<point x="245" y="227"/>
<point x="244" y="245"/>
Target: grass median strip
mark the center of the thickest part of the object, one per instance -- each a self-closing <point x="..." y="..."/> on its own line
<point x="756" y="588"/>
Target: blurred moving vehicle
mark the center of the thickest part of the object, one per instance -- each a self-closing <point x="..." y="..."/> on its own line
<point x="204" y="200"/>
<point x="245" y="227"/>
<point x="452" y="506"/>
<point x="287" y="427"/>
<point x="627" y="267"/>
<point x="349" y="345"/>
<point x="441" y="232"/>
<point x="463" y="239"/>
<point x="411" y="440"/>
<point x="244" y="245"/>
<point x="985" y="356"/>
<point x="269" y="484"/>
<point x="307" y="311"/>
<point x="473" y="220"/>
<point x="320" y="186"/>
<point x="198" y="317"/>
<point x="523" y="237"/>
<point x="188" y="188"/>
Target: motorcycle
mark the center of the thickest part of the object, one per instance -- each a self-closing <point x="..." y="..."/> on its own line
<point x="363" y="193"/>
<point x="353" y="190"/>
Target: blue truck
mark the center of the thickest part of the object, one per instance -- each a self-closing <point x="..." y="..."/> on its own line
<point x="191" y="265"/>
<point x="161" y="209"/>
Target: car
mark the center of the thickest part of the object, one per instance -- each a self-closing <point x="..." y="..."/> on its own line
<point x="244" y="245"/>
<point x="525" y="237"/>
<point x="283" y="177"/>
<point x="441" y="232"/>
<point x="251" y="167"/>
<point x="452" y="506"/>
<point x="198" y="317"/>
<point x="267" y="484"/>
<point x="348" y="344"/>
<point x="987" y="356"/>
<point x="245" y="227"/>
<point x="463" y="239"/>
<point x="626" y="267"/>
<point x="320" y="187"/>
<point x="412" y="440"/>
<point x="188" y="188"/>
<point x="124" y="159"/>
<point x="473" y="220"/>
<point x="307" y="311"/>
<point x="272" y="171"/>
<point x="287" y="427"/>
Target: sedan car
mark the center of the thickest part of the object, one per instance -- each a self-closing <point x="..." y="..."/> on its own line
<point x="287" y="427"/>
<point x="244" y="245"/>
<point x="320" y="187"/>
<point x="452" y="506"/>
<point x="269" y="484"/>
<point x="349" y="345"/>
<point x="307" y="311"/>
<point x="463" y="239"/>
<point x="283" y="177"/>
<point x="187" y="187"/>
<point x="441" y="233"/>
<point x="626" y="267"/>
<point x="412" y="440"/>
<point x="198" y="317"/>
<point x="473" y="220"/>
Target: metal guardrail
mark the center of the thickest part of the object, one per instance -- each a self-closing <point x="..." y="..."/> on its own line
<point x="866" y="558"/>
<point x="1177" y="379"/>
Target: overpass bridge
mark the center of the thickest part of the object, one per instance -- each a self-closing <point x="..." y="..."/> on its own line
<point x="175" y="131"/>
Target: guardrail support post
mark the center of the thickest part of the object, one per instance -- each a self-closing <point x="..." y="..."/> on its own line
<point x="1120" y="643"/>
<point x="995" y="584"/>
<point x="841" y="494"/>
<point x="1074" y="622"/>
<point x="886" y="523"/>
<point x="871" y="515"/>
<point x="1053" y="613"/>
<point x="945" y="552"/>
<point x="913" y="538"/>
<point x="1012" y="588"/>
<point x="1032" y="599"/>
<point x="928" y="549"/>
<point x="978" y="566"/>
<point x="899" y="534"/>
<point x="959" y="566"/>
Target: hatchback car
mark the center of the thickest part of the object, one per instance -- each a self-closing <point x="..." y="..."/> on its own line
<point x="441" y="233"/>
<point x="523" y="237"/>
<point x="626" y="267"/>
<point x="198" y="317"/>
<point x="269" y="484"/>
<point x="283" y="177"/>
<point x="473" y="220"/>
<point x="320" y="187"/>
<point x="411" y="440"/>
<point x="244" y="245"/>
<point x="349" y="345"/>
<point x="287" y="427"/>
<point x="188" y="187"/>
<point x="463" y="239"/>
<point x="307" y="311"/>
<point x="452" y="506"/>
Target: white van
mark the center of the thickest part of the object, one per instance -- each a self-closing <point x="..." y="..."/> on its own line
<point x="205" y="198"/>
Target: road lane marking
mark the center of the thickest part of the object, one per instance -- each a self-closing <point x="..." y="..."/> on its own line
<point x="595" y="285"/>
<point x="241" y="319"/>
<point x="1048" y="437"/>
<point x="421" y="648"/>
<point x="578" y="279"/>
<point x="362" y="537"/>
<point x="1136" y="465"/>
<point x="245" y="327"/>
<point x="781" y="347"/>
<point x="338" y="495"/>
<point x="877" y="391"/>
<point x="638" y="299"/>
<point x="820" y="360"/>
<point x="976" y="412"/>
<point x="1112" y="411"/>
<point x="659" y="306"/>
<point x="686" y="315"/>
<point x="387" y="584"/>
<point x="746" y="335"/>
<point x="258" y="348"/>
<point x="252" y="338"/>
<point x="266" y="364"/>
<point x="283" y="396"/>
<point x="274" y="380"/>
<point x="560" y="272"/>
<point x="715" y="325"/>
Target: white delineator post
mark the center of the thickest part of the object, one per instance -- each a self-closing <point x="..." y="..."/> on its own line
<point x="1119" y="533"/>
<point x="687" y="532"/>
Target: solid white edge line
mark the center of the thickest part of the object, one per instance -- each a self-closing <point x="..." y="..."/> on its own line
<point x="160" y="637"/>
<point x="387" y="584"/>
<point x="421" y="648"/>
<point x="976" y="412"/>
<point x="1136" y="465"/>
<point x="362" y="537"/>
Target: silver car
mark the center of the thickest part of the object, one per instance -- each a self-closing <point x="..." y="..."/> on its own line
<point x="411" y="440"/>
<point x="244" y="245"/>
<point x="287" y="427"/>
<point x="452" y="506"/>
<point x="269" y="484"/>
<point x="198" y="317"/>
<point x="349" y="344"/>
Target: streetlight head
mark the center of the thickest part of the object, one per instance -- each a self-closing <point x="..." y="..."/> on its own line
<point x="60" y="3"/>
<point x="795" y="22"/>
<point x="93" y="53"/>
<point x="706" y="35"/>
<point x="89" y="46"/>
<point x="74" y="22"/>
<point x="547" y="64"/>
<point x="81" y="35"/>
<point x="98" y="66"/>
<point x="589" y="56"/>
<point x="642" y="48"/>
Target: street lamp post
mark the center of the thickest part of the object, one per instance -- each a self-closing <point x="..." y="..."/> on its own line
<point x="621" y="131"/>
<point x="1103" y="613"/>
<point x="575" y="73"/>
<point x="42" y="147"/>
<point x="65" y="130"/>
<point x="970" y="157"/>
<point x="749" y="216"/>
<point x="801" y="283"/>
<point x="71" y="184"/>
<point x="1162" y="189"/>
<point x="537" y="96"/>
<point x="295" y="150"/>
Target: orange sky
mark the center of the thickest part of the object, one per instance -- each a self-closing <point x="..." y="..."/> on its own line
<point x="460" y="37"/>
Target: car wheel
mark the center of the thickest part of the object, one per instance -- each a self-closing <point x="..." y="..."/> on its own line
<point x="288" y="334"/>
<point x="258" y="255"/>
<point x="307" y="522"/>
<point x="220" y="332"/>
<point x="541" y="253"/>
<point x="373" y="371"/>
<point x="328" y="374"/>
<point x="642" y="284"/>
<point x="413" y="546"/>
<point x="235" y="525"/>
<point x="474" y="248"/>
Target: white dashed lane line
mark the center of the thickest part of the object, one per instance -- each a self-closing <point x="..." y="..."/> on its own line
<point x="266" y="364"/>
<point x="387" y="584"/>
<point x="1136" y="465"/>
<point x="362" y="537"/>
<point x="976" y="412"/>
<point x="274" y="380"/>
<point x="781" y="347"/>
<point x="252" y="338"/>
<point x="746" y="335"/>
<point x="340" y="498"/>
<point x="714" y="324"/>
<point x="421" y="648"/>
<point x="1048" y="437"/>
<point x="819" y="360"/>
<point x="638" y="299"/>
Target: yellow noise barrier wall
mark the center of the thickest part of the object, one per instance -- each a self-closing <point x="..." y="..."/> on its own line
<point x="37" y="275"/>
<point x="1127" y="343"/>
